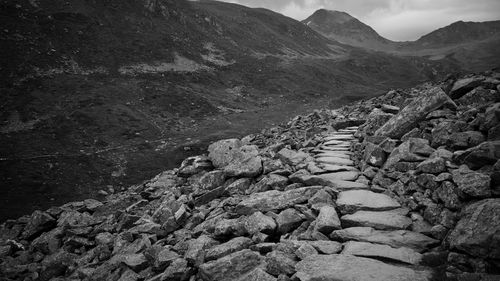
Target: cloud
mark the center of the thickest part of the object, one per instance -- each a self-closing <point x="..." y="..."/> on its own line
<point x="399" y="20"/>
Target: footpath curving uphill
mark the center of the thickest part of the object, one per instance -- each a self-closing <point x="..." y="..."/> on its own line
<point x="366" y="192"/>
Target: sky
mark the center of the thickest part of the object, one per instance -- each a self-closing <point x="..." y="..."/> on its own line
<point x="398" y="20"/>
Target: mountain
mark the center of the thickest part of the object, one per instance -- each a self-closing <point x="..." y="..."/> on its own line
<point x="344" y="28"/>
<point x="472" y="45"/>
<point x="98" y="95"/>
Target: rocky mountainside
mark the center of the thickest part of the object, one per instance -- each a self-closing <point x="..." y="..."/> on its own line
<point x="470" y="44"/>
<point x="98" y="95"/>
<point x="344" y="28"/>
<point x="404" y="186"/>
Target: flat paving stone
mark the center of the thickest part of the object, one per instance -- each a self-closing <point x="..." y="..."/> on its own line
<point x="346" y="176"/>
<point x="335" y="161"/>
<point x="352" y="268"/>
<point x="364" y="200"/>
<point x="339" y="154"/>
<point x="386" y="220"/>
<point x="336" y="168"/>
<point x="346" y="144"/>
<point x="394" y="238"/>
<point x="340" y="137"/>
<point x="378" y="251"/>
<point x="336" y="142"/>
<point x="335" y="148"/>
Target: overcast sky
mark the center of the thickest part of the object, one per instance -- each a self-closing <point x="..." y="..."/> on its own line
<point x="398" y="20"/>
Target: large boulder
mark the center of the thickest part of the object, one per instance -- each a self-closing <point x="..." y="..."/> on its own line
<point x="472" y="184"/>
<point x="463" y="86"/>
<point x="487" y="153"/>
<point x="230" y="267"/>
<point x="235" y="159"/>
<point x="478" y="231"/>
<point x="416" y="111"/>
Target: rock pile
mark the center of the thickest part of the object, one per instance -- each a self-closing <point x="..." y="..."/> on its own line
<point x="365" y="192"/>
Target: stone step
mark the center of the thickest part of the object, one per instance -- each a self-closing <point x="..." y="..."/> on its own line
<point x="333" y="154"/>
<point x="364" y="200"/>
<point x="346" y="176"/>
<point x="311" y="180"/>
<point x="336" y="168"/>
<point x="340" y="137"/>
<point x="335" y="148"/>
<point x="347" y="131"/>
<point x="355" y="128"/>
<point x="335" y="161"/>
<point x="393" y="238"/>
<point x="386" y="220"/>
<point x="334" y="142"/>
<point x="352" y="268"/>
<point x="348" y="185"/>
<point x="330" y="144"/>
<point x="385" y="252"/>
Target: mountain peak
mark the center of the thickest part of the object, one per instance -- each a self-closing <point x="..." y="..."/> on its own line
<point x="344" y="28"/>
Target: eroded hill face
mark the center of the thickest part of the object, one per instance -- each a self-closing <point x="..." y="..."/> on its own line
<point x="469" y="44"/>
<point x="97" y="95"/>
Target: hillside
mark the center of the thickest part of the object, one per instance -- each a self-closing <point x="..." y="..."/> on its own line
<point x="472" y="45"/>
<point x="402" y="186"/>
<point x="98" y="95"/>
<point x="344" y="28"/>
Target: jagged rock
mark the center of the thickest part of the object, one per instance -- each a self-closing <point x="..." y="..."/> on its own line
<point x="374" y="155"/>
<point x="270" y="182"/>
<point x="358" y="200"/>
<point x="196" y="250"/>
<point x="258" y="222"/>
<point x="394" y="238"/>
<point x="257" y="274"/>
<point x="335" y="161"/>
<point x="49" y="242"/>
<point x="212" y="180"/>
<point x="305" y="250"/>
<point x="38" y="223"/>
<point x="412" y="150"/>
<point x="229" y="227"/>
<point x="463" y="86"/>
<point x="476" y="157"/>
<point x="477" y="231"/>
<point x="178" y="270"/>
<point x="463" y="140"/>
<point x="136" y="262"/>
<point x="385" y="252"/>
<point x="275" y="200"/>
<point x="390" y="108"/>
<point x="432" y="166"/>
<point x="471" y="183"/>
<point x="288" y="220"/>
<point x="230" y="267"/>
<point x="386" y="220"/>
<point x="239" y="186"/>
<point x="448" y="194"/>
<point x="235" y="159"/>
<point x="413" y="113"/>
<point x="278" y="262"/>
<point x="326" y="247"/>
<point x="194" y="165"/>
<point x="292" y="157"/>
<point x="327" y="220"/>
<point x="233" y="245"/>
<point x="164" y="259"/>
<point x="347" y="268"/>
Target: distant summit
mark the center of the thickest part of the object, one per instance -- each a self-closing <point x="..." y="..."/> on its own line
<point x="344" y="28"/>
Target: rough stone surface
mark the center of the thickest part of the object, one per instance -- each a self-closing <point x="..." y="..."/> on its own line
<point x="357" y="200"/>
<point x="385" y="252"/>
<point x="477" y="232"/>
<point x="386" y="220"/>
<point x="394" y="238"/>
<point x="327" y="220"/>
<point x="472" y="183"/>
<point x="235" y="159"/>
<point x="230" y="267"/>
<point x="350" y="268"/>
<point x="416" y="111"/>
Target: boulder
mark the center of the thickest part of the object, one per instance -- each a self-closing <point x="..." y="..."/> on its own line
<point x="275" y="200"/>
<point x="279" y="262"/>
<point x="292" y="157"/>
<point x="472" y="184"/>
<point x="38" y="223"/>
<point x="235" y="159"/>
<point x="477" y="232"/>
<point x="327" y="220"/>
<point x="352" y="268"/>
<point x="412" y="150"/>
<point x="413" y="113"/>
<point x="230" y="267"/>
<point x="194" y="165"/>
<point x="432" y="166"/>
<point x="258" y="222"/>
<point x="487" y="153"/>
<point x="231" y="246"/>
<point x="463" y="86"/>
<point x="288" y="220"/>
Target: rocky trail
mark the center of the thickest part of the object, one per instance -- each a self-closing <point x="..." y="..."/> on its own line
<point x="404" y="186"/>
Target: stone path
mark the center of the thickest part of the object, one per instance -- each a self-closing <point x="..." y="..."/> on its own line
<point x="373" y="227"/>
